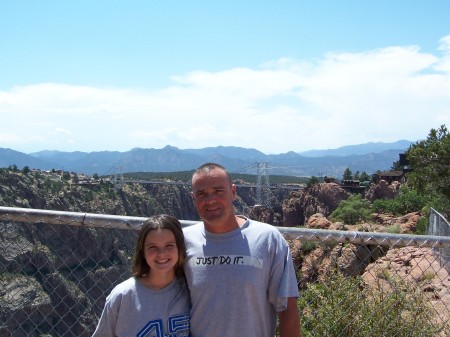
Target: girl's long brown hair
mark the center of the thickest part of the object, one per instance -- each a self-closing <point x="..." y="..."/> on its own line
<point x="163" y="221"/>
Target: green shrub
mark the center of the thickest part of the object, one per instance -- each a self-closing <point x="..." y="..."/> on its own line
<point x="345" y="306"/>
<point x="308" y="246"/>
<point x="352" y="210"/>
<point x="439" y="203"/>
<point x="421" y="226"/>
<point x="406" y="202"/>
<point x="312" y="181"/>
<point x="394" y="229"/>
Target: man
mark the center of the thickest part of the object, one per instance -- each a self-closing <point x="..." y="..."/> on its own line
<point x="240" y="272"/>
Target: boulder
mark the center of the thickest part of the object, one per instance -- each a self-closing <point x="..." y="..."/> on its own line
<point x="407" y="223"/>
<point x="318" y="221"/>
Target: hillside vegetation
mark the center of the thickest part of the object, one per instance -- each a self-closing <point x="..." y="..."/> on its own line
<point x="185" y="176"/>
<point x="64" y="191"/>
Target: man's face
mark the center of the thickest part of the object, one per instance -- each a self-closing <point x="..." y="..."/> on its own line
<point x="213" y="196"/>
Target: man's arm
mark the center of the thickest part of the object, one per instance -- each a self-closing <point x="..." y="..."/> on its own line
<point x="290" y="319"/>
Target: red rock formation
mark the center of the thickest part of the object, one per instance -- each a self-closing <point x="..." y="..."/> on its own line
<point x="417" y="266"/>
<point x="320" y="198"/>
<point x="318" y="221"/>
<point x="383" y="190"/>
<point x="407" y="222"/>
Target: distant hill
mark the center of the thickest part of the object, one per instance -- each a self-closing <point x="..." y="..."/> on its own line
<point x="366" y="148"/>
<point x="369" y="157"/>
<point x="10" y="157"/>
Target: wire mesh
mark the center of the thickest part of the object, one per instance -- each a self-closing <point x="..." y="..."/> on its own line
<point x="56" y="269"/>
<point x="439" y="226"/>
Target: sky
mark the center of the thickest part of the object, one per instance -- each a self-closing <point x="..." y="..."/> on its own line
<point x="276" y="76"/>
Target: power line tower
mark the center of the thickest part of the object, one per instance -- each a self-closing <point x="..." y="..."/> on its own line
<point x="263" y="184"/>
<point x="118" y="177"/>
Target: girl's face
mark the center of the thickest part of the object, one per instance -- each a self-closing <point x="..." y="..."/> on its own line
<point x="161" y="252"/>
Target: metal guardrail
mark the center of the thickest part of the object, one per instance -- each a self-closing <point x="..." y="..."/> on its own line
<point x="56" y="269"/>
<point x="439" y="226"/>
<point x="129" y="222"/>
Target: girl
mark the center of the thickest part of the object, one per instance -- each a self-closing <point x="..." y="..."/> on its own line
<point x="155" y="301"/>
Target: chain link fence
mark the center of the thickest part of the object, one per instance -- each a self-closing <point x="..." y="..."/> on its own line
<point x="56" y="269"/>
<point x="439" y="226"/>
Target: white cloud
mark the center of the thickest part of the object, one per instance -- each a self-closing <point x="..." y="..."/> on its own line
<point x="444" y="44"/>
<point x="9" y="138"/>
<point x="444" y="63"/>
<point x="61" y="131"/>
<point x="285" y="105"/>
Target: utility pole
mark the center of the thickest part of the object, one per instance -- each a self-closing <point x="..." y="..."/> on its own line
<point x="118" y="177"/>
<point x="263" y="184"/>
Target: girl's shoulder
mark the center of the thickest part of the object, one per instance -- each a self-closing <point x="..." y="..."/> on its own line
<point x="125" y="286"/>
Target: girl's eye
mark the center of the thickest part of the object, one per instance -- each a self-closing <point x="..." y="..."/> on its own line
<point x="155" y="249"/>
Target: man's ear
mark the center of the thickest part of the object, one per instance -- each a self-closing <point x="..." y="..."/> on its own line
<point x="233" y="191"/>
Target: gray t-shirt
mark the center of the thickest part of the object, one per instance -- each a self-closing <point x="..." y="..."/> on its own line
<point x="132" y="309"/>
<point x="239" y="280"/>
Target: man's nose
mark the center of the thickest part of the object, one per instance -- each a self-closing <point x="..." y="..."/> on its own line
<point x="209" y="197"/>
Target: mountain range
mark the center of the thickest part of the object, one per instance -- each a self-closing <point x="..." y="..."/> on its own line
<point x="368" y="157"/>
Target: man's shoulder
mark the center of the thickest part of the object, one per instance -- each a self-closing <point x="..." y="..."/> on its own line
<point x="262" y="226"/>
<point x="195" y="228"/>
<point x="262" y="229"/>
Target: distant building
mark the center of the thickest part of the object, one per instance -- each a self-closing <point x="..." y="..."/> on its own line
<point x="352" y="186"/>
<point x="389" y="176"/>
<point x="350" y="183"/>
<point x="404" y="162"/>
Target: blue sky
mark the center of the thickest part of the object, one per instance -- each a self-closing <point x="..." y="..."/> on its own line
<point x="276" y="76"/>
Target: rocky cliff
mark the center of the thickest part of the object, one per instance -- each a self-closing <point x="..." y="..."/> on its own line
<point x="320" y="198"/>
<point x="70" y="192"/>
<point x="44" y="190"/>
